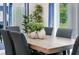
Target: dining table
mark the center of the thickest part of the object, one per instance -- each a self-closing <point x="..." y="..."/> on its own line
<point x="49" y="45"/>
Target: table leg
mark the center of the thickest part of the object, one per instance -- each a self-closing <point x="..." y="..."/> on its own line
<point x="68" y="52"/>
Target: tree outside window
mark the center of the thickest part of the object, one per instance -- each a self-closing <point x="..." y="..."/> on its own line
<point x="63" y="15"/>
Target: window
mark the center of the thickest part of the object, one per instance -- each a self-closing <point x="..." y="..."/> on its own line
<point x="18" y="10"/>
<point x="63" y="15"/>
<point x="8" y="13"/>
<point x="1" y="16"/>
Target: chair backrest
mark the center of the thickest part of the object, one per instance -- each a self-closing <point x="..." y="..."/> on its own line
<point x="66" y="33"/>
<point x="20" y="43"/>
<point x="8" y="43"/>
<point x="1" y="26"/>
<point x="76" y="47"/>
<point x="48" y="30"/>
<point x="13" y="28"/>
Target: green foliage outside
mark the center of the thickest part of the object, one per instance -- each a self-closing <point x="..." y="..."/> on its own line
<point x="63" y="15"/>
<point x="63" y="25"/>
<point x="34" y="21"/>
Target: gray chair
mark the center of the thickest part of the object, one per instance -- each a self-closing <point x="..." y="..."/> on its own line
<point x="48" y="30"/>
<point x="8" y="43"/>
<point x="65" y="33"/>
<point x="1" y="27"/>
<point x="76" y="47"/>
<point x="13" y="28"/>
<point x="20" y="44"/>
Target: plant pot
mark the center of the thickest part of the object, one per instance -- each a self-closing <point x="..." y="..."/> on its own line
<point x="42" y="34"/>
<point x="37" y="35"/>
<point x="33" y="35"/>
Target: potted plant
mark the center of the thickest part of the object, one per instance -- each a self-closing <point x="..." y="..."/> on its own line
<point x="34" y="23"/>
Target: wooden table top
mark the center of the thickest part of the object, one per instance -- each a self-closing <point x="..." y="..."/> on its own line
<point x="51" y="45"/>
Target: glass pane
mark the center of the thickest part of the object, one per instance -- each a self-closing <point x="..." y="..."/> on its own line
<point x="1" y="16"/>
<point x="63" y="15"/>
<point x="1" y="13"/>
<point x="1" y="4"/>
<point x="18" y="12"/>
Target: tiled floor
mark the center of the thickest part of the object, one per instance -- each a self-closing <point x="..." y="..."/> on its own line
<point x="2" y="52"/>
<point x="1" y="45"/>
<point x="2" y="49"/>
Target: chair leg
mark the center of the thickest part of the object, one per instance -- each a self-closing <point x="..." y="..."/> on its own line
<point x="64" y="53"/>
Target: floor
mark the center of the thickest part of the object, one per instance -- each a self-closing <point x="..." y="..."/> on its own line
<point x="2" y="52"/>
<point x="2" y="49"/>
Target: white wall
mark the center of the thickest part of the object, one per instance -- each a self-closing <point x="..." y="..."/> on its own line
<point x="45" y="11"/>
